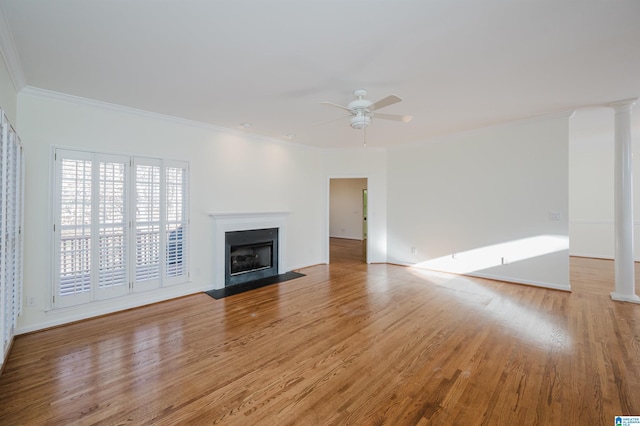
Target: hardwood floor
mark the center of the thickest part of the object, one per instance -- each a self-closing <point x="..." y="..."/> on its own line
<point x="348" y="343"/>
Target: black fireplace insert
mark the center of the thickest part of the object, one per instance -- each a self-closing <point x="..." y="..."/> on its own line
<point x="250" y="255"/>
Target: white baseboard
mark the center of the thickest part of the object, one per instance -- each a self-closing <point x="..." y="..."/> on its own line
<point x="598" y="256"/>
<point x="543" y="284"/>
<point x="81" y="312"/>
<point x="510" y="280"/>
<point x="591" y="256"/>
<point x="632" y="298"/>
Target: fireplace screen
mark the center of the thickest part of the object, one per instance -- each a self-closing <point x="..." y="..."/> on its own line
<point x="247" y="258"/>
<point x="250" y="255"/>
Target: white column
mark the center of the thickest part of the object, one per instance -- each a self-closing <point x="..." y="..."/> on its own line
<point x="625" y="283"/>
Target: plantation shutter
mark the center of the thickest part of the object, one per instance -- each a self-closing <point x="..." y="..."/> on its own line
<point x="11" y="207"/>
<point x="120" y="225"/>
<point x="20" y="220"/>
<point x="149" y="244"/>
<point x="5" y="305"/>
<point x="176" y="230"/>
<point x="73" y="223"/>
<point x="10" y="229"/>
<point x="91" y="227"/>
<point x="112" y="226"/>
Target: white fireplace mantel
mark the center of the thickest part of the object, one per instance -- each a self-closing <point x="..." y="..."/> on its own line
<point x="245" y="221"/>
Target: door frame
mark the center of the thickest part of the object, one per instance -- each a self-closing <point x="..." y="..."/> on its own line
<point x="328" y="213"/>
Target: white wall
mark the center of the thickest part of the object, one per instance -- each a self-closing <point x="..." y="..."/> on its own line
<point x="8" y="95"/>
<point x="482" y="197"/>
<point x="453" y="195"/>
<point x="345" y="218"/>
<point x="230" y="172"/>
<point x="591" y="182"/>
<point x="362" y="163"/>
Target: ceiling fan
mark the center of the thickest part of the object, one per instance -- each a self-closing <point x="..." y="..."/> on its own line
<point x="362" y="110"/>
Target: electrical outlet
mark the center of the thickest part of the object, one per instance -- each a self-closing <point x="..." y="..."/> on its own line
<point x="31" y="301"/>
<point x="555" y="216"/>
<point x="414" y="251"/>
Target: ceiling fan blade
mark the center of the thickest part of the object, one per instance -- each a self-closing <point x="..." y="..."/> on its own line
<point x="394" y="117"/>
<point x="389" y="100"/>
<point x="331" y="121"/>
<point x="336" y="105"/>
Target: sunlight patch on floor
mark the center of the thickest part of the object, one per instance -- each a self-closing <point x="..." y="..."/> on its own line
<point x="525" y="323"/>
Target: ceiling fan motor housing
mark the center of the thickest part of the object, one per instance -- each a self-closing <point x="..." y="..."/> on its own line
<point x="359" y="104"/>
<point x="360" y="111"/>
<point x="360" y="121"/>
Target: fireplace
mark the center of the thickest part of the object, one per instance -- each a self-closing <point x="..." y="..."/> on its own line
<point x="250" y="255"/>
<point x="230" y="223"/>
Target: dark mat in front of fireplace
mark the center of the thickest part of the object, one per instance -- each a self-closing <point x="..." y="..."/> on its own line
<point x="252" y="285"/>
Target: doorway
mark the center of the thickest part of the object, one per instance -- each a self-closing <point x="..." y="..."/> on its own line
<point x="348" y="226"/>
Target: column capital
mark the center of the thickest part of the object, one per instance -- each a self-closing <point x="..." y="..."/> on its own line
<point x="623" y="103"/>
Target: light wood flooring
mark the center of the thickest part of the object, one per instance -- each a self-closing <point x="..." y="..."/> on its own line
<point x="349" y="343"/>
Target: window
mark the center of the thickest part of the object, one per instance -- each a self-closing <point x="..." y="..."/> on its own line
<point x="11" y="208"/>
<point x="175" y="179"/>
<point x="147" y="186"/>
<point x="110" y="211"/>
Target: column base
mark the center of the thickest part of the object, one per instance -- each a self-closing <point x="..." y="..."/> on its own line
<point x="625" y="297"/>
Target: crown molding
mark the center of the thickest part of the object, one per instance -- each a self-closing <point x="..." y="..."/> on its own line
<point x="10" y="54"/>
<point x="477" y="130"/>
<point x="623" y="104"/>
<point x="78" y="100"/>
<point x="52" y="95"/>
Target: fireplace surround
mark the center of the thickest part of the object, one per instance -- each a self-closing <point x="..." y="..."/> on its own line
<point x="233" y="222"/>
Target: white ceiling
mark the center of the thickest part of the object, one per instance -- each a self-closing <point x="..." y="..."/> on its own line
<point x="457" y="64"/>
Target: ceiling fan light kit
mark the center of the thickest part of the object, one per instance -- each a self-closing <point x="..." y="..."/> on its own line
<point x="362" y="110"/>
<point x="360" y="121"/>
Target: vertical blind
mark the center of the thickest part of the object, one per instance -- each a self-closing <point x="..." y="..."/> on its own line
<point x="11" y="222"/>
<point x="110" y="213"/>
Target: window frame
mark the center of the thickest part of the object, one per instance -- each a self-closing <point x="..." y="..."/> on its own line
<point x="97" y="291"/>
<point x="11" y="236"/>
